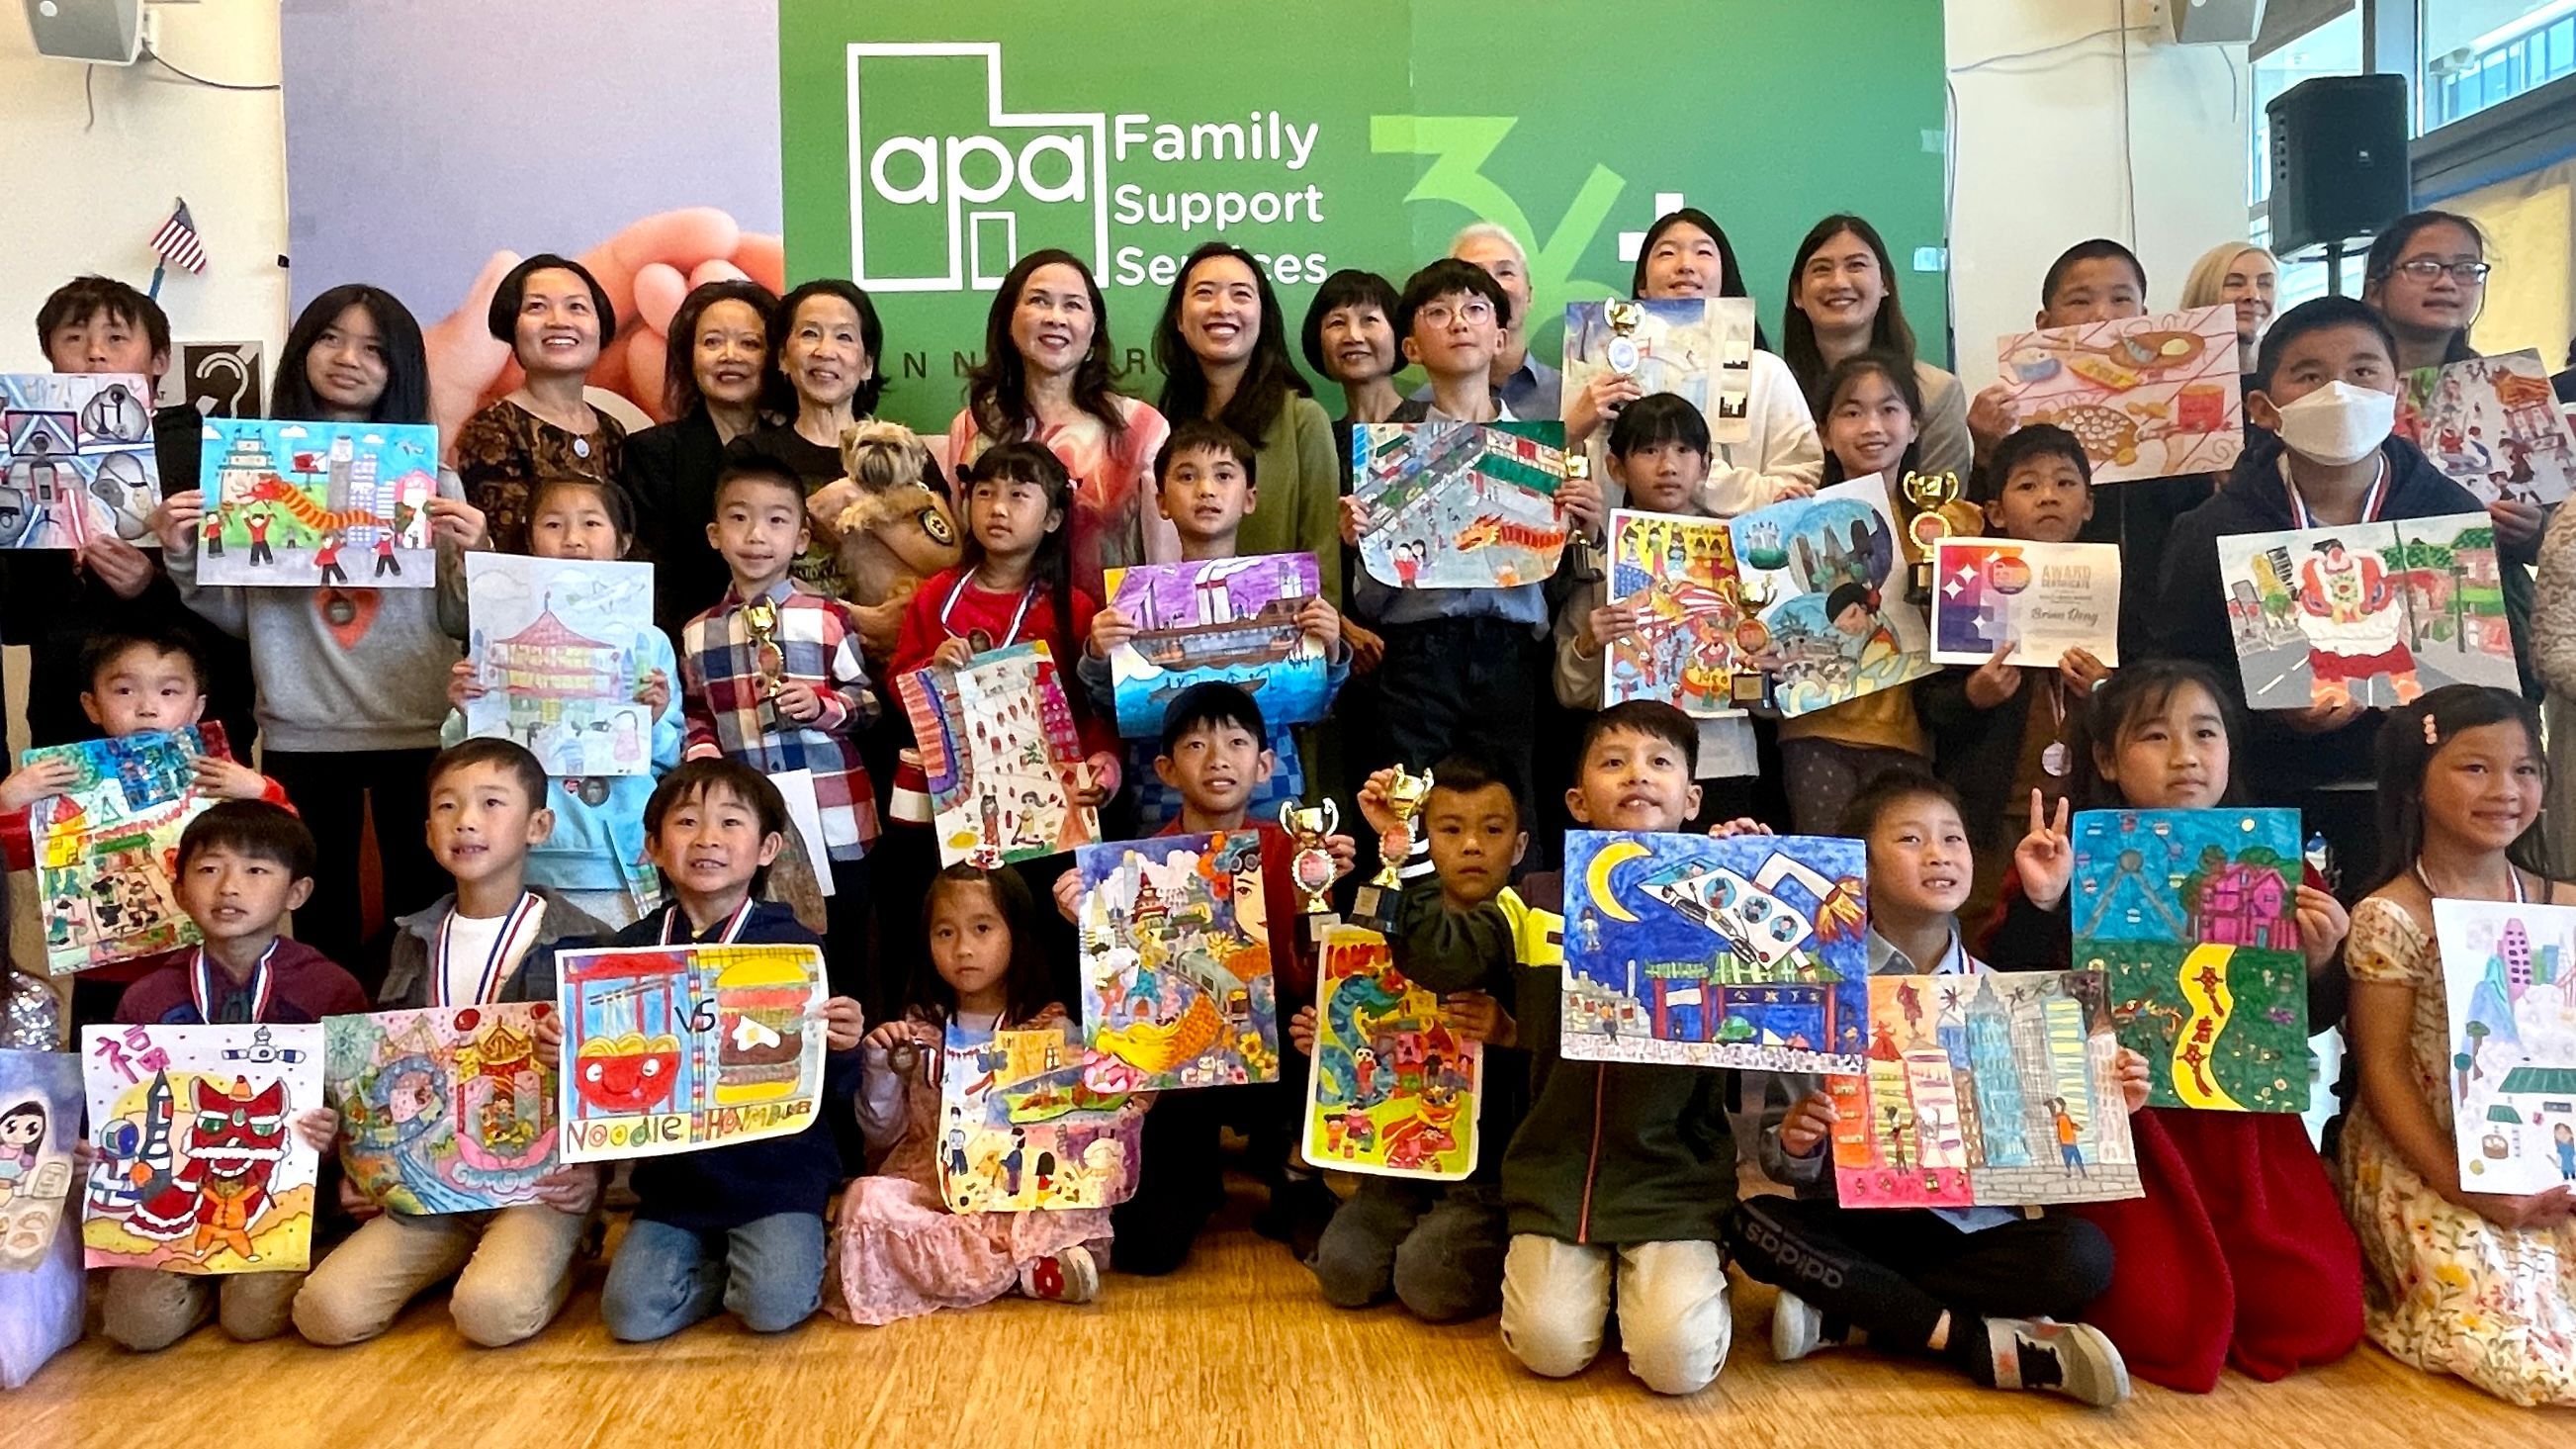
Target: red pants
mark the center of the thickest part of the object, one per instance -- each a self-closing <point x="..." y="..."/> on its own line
<point x="2238" y="1253"/>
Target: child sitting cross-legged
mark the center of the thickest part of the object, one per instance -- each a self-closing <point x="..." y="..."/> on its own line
<point x="1982" y="1287"/>
<point x="899" y="1251"/>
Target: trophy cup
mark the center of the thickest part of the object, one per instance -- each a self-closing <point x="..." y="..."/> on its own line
<point x="1751" y="688"/>
<point x="760" y="616"/>
<point x="1931" y="494"/>
<point x="1383" y="892"/>
<point x="1623" y="316"/>
<point x="1581" y="553"/>
<point x="1311" y="868"/>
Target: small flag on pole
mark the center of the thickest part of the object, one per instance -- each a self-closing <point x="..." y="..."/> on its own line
<point x="177" y="242"/>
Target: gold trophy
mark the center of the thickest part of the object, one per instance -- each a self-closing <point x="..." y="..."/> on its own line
<point x="1624" y="318"/>
<point x="760" y="616"/>
<point x="1932" y="495"/>
<point x="1375" y="906"/>
<point x="1582" y="555"/>
<point x="1311" y="869"/>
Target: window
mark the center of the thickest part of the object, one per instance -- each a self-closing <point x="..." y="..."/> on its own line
<point x="2331" y="48"/>
<point x="2473" y="54"/>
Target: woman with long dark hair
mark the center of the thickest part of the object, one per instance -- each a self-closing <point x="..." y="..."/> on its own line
<point x="716" y="386"/>
<point x="1842" y="303"/>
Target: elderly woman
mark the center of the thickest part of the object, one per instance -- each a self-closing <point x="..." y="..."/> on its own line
<point x="2245" y="276"/>
<point x="556" y="318"/>
<point x="823" y="352"/>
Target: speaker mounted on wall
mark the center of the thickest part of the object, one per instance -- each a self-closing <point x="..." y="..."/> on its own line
<point x="101" y="32"/>
<point x="2339" y="160"/>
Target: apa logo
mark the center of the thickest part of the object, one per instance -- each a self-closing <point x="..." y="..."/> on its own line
<point x="948" y="188"/>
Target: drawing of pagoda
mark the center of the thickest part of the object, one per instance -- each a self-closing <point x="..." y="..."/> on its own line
<point x="547" y="666"/>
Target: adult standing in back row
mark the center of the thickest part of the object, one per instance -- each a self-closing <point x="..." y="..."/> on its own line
<point x="556" y="318"/>
<point x="1223" y="347"/>
<point x="1045" y="378"/>
<point x="1842" y="303"/>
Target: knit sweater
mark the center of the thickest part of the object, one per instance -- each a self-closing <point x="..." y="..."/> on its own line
<point x="1299" y="483"/>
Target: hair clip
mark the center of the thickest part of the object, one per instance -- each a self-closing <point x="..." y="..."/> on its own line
<point x="2432" y="731"/>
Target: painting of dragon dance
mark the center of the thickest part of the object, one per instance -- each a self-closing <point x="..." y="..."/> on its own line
<point x="1821" y="572"/>
<point x="2492" y="425"/>
<point x="2509" y="973"/>
<point x="1985" y="1089"/>
<point x="2193" y="916"/>
<point x="2372" y="614"/>
<point x="76" y="460"/>
<point x="446" y="1110"/>
<point x="2148" y="397"/>
<point x="40" y="1119"/>
<point x="1693" y="632"/>
<point x="1176" y="963"/>
<point x="196" y="1166"/>
<point x="308" y="504"/>
<point x="1395" y="1088"/>
<point x="1459" y="505"/>
<point x="1691" y="951"/>
<point x="1021" y="1129"/>
<point x="1230" y="621"/>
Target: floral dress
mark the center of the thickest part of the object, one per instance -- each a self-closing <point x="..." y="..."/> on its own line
<point x="1114" y="522"/>
<point x="504" y="451"/>
<point x="2448" y="1291"/>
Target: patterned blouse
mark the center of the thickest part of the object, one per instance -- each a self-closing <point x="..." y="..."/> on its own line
<point x="505" y="448"/>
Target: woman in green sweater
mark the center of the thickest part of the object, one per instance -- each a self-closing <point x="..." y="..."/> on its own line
<point x="1223" y="347"/>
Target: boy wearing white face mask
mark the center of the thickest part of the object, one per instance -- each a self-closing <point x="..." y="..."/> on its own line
<point x="2319" y="455"/>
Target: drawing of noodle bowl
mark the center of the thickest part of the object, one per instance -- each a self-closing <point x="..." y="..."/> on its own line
<point x="2032" y="364"/>
<point x="2008" y="573"/>
<point x="628" y="1073"/>
<point x="760" y="1031"/>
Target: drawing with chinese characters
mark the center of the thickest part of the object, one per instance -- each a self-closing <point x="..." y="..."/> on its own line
<point x="674" y="1048"/>
<point x="1985" y="1088"/>
<point x="2148" y="397"/>
<point x="1749" y="952"/>
<point x="1394" y="1089"/>
<point x="2193" y="916"/>
<point x="445" y="1110"/>
<point x="1459" y="505"/>
<point x="1176" y="963"/>
<point x="76" y="460"/>
<point x="1003" y="756"/>
<point x="196" y="1164"/>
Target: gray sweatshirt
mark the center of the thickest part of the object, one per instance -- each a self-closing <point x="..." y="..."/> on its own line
<point x="375" y="679"/>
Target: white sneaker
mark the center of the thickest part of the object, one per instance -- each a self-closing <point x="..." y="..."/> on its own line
<point x="2074" y="1359"/>
<point x="1797" y="1328"/>
<point x="1068" y="1277"/>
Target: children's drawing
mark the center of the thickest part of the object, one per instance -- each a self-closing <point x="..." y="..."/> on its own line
<point x="1823" y="573"/>
<point x="107" y="849"/>
<point x="1459" y="505"/>
<point x="559" y="647"/>
<point x="1003" y="756"/>
<point x="1667" y="346"/>
<point x="447" y="1110"/>
<point x="1985" y="1089"/>
<point x="2371" y="614"/>
<point x="2044" y="598"/>
<point x="2493" y="426"/>
<point x="76" y="460"/>
<point x="1227" y="620"/>
<point x="1019" y="1128"/>
<point x="2194" y="916"/>
<point x="197" y="1167"/>
<point x="674" y="1048"/>
<point x="1750" y="952"/>
<point x="1395" y="1088"/>
<point x="311" y="504"/>
<point x="2149" y="397"/>
<point x="40" y="1117"/>
<point x="1692" y="628"/>
<point x="2509" y="973"/>
<point x="1176" y="963"/>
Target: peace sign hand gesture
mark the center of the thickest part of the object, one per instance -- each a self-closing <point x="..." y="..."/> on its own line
<point x="2045" y="859"/>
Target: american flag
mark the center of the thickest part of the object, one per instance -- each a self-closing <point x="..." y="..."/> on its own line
<point x="177" y="242"/>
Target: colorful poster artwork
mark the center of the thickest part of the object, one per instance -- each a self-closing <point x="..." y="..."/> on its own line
<point x="559" y="647"/>
<point x="76" y="460"/>
<point x="1822" y="572"/>
<point x="2374" y="614"/>
<point x="1459" y="505"/>
<point x="2493" y="425"/>
<point x="1691" y="638"/>
<point x="2148" y="397"/>
<point x="444" y="1110"/>
<point x="2509" y="978"/>
<point x="2042" y="598"/>
<point x="1395" y="1088"/>
<point x="1231" y="621"/>
<point x="303" y="505"/>
<point x="1020" y="1130"/>
<point x="1003" y="756"/>
<point x="107" y="848"/>
<point x="677" y="1048"/>
<point x="1176" y="963"/>
<point x="40" y="1119"/>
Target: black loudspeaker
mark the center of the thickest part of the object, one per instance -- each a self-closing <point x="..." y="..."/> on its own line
<point x="2339" y="168"/>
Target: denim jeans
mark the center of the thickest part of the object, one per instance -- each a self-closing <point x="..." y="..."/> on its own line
<point x="768" y="1272"/>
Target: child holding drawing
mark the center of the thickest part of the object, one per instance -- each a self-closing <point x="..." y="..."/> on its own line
<point x="2478" y="1284"/>
<point x="899" y="1251"/>
<point x="735" y="1227"/>
<point x="595" y="855"/>
<point x="2197" y="1281"/>
<point x="350" y="680"/>
<point x="493" y="939"/>
<point x="1982" y="1287"/>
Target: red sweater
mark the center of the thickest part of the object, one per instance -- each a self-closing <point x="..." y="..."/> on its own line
<point x="924" y="630"/>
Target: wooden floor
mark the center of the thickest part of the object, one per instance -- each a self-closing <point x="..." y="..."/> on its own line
<point x="1235" y="1349"/>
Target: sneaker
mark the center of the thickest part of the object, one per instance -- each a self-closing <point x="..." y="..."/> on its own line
<point x="1068" y="1277"/>
<point x="1797" y="1328"/>
<point x="2074" y="1359"/>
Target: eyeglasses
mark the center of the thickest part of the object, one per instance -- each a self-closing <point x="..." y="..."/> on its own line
<point x="2425" y="269"/>
<point x="1437" y="314"/>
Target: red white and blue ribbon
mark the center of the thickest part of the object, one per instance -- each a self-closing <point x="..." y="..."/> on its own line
<point x="2371" y="502"/>
<point x="518" y="932"/>
<point x="206" y="992"/>
<point x="671" y="916"/>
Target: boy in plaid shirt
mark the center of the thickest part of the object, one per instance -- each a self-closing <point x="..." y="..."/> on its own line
<point x="771" y="676"/>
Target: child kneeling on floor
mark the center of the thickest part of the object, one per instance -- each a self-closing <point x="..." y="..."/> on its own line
<point x="1980" y="1286"/>
<point x="898" y="1250"/>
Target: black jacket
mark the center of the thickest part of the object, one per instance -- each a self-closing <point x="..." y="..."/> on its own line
<point x="2191" y="610"/>
<point x="669" y="475"/>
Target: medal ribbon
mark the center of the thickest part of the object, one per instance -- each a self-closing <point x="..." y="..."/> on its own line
<point x="671" y="917"/>
<point x="518" y="932"/>
<point x="202" y="987"/>
<point x="1027" y="592"/>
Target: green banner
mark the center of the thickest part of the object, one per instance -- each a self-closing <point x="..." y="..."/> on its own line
<point x="923" y="155"/>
